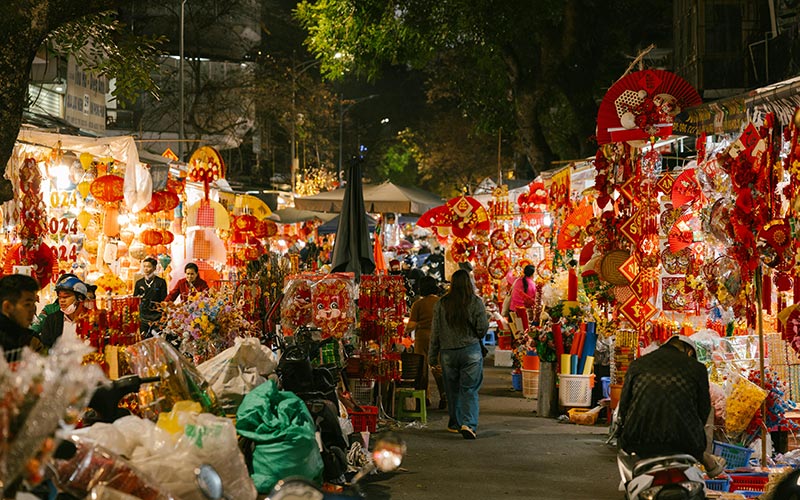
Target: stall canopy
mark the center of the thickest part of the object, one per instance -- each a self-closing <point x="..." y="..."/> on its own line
<point x="330" y="226"/>
<point x="293" y="215"/>
<point x="386" y="197"/>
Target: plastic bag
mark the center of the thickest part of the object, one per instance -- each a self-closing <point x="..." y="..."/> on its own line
<point x="284" y="435"/>
<point x="93" y="465"/>
<point x="744" y="400"/>
<point x="237" y="370"/>
<point x="180" y="380"/>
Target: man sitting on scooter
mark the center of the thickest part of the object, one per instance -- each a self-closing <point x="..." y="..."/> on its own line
<point x="665" y="404"/>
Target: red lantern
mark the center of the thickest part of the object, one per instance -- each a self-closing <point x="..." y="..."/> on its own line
<point x="177" y="186"/>
<point x="260" y="231"/>
<point x="150" y="237"/>
<point x="238" y="237"/>
<point x="251" y="253"/>
<point x="245" y="222"/>
<point x="108" y="188"/>
<point x="171" y="200"/>
<point x="156" y="203"/>
<point x="167" y="237"/>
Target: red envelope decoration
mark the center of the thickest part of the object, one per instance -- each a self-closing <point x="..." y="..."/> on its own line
<point x="632" y="228"/>
<point x="665" y="182"/>
<point x="630" y="268"/>
<point x="685" y="189"/>
<point x="636" y="311"/>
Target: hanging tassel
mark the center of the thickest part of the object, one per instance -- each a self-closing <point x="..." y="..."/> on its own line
<point x="766" y="294"/>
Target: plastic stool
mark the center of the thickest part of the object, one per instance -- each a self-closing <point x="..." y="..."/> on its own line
<point x="489" y="338"/>
<point x="400" y="394"/>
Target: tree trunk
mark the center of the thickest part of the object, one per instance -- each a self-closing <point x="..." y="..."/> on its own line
<point x="526" y="103"/>
<point x="25" y="24"/>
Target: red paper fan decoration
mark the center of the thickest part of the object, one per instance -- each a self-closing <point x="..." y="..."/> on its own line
<point x="642" y="104"/>
<point x="569" y="236"/>
<point x="108" y="188"/>
<point x="437" y="216"/>
<point x="682" y="233"/>
<point x="774" y="241"/>
<point x="466" y="214"/>
<point x="685" y="189"/>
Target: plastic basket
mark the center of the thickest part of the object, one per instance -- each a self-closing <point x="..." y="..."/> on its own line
<point x="735" y="456"/>
<point x="366" y="420"/>
<point x="575" y="390"/>
<point x="362" y="390"/>
<point x="718" y="484"/>
<point x="749" y="482"/>
<point x="583" y="416"/>
<point x="749" y="494"/>
<point x="530" y="384"/>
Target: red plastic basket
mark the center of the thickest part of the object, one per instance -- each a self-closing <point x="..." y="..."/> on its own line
<point x="366" y="420"/>
<point x="748" y="482"/>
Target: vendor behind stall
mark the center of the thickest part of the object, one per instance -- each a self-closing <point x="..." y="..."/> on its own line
<point x="189" y="285"/>
<point x="152" y="289"/>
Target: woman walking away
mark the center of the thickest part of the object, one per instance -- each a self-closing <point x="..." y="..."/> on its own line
<point x="459" y="322"/>
<point x="419" y="321"/>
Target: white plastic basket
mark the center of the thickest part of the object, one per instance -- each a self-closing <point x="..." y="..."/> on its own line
<point x="502" y="357"/>
<point x="362" y="390"/>
<point x="575" y="390"/>
<point x="530" y="384"/>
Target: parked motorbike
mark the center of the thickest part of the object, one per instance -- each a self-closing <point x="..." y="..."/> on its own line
<point x="387" y="456"/>
<point x="668" y="477"/>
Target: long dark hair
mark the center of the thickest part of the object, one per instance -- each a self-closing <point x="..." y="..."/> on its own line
<point x="528" y="272"/>
<point x="456" y="302"/>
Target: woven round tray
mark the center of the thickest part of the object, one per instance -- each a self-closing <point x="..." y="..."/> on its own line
<point x="609" y="267"/>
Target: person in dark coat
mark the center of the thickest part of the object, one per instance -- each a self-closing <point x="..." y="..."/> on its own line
<point x="665" y="404"/>
<point x="18" y="297"/>
<point x="152" y="289"/>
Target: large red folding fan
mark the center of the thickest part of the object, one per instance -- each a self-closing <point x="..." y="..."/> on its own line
<point x="642" y="104"/>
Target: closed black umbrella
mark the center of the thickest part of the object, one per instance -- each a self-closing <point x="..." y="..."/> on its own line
<point x="352" y="250"/>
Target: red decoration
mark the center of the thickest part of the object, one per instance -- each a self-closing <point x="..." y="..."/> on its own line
<point x="167" y="237"/>
<point x="41" y="259"/>
<point x="685" y="189"/>
<point x="108" y="188"/>
<point x="151" y="237"/>
<point x="245" y="222"/>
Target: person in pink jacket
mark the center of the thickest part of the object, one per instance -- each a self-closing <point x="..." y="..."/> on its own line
<point x="523" y="293"/>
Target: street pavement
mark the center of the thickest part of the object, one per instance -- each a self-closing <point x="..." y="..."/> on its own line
<point x="517" y="455"/>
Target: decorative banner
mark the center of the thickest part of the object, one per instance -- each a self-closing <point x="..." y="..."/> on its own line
<point x="630" y="268"/>
<point x="467" y="214"/>
<point x="560" y="190"/>
<point x="524" y="238"/>
<point x="673" y="296"/>
<point x="665" y="182"/>
<point x="636" y="311"/>
<point x="632" y="228"/>
<point x="628" y="189"/>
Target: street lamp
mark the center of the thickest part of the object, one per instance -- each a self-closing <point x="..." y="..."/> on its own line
<point x="342" y="110"/>
<point x="297" y="70"/>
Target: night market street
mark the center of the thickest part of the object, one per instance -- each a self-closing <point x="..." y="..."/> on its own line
<point x="516" y="456"/>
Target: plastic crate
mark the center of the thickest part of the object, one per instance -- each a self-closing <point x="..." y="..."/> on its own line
<point x="718" y="484"/>
<point x="749" y="494"/>
<point x="366" y="420"/>
<point x="362" y="390"/>
<point x="749" y="482"/>
<point x="530" y="384"/>
<point x="735" y="456"/>
<point x="575" y="390"/>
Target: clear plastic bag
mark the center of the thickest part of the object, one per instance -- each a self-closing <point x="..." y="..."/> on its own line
<point x="744" y="399"/>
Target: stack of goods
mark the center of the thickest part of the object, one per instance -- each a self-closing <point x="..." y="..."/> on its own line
<point x="625" y="346"/>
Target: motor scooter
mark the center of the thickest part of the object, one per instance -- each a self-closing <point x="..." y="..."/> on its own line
<point x="667" y="477"/>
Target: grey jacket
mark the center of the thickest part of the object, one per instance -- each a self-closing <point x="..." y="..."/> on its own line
<point x="443" y="336"/>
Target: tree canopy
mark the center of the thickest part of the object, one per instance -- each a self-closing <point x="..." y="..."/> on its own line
<point x="537" y="69"/>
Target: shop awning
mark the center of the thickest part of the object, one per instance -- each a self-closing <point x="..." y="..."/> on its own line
<point x="380" y="198"/>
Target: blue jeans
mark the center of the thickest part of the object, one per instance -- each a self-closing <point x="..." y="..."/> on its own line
<point x="463" y="374"/>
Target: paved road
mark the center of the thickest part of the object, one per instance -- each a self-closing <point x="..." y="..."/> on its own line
<point x="516" y="456"/>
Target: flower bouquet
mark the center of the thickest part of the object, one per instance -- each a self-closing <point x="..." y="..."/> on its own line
<point x="207" y="323"/>
<point x="111" y="284"/>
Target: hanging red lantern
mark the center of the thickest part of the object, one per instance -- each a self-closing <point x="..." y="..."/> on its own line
<point x="245" y="222"/>
<point x="167" y="237"/>
<point x="111" y="221"/>
<point x="238" y="237"/>
<point x="251" y="253"/>
<point x="150" y="237"/>
<point x="170" y="200"/>
<point x="108" y="188"/>
<point x="156" y="203"/>
<point x="260" y="231"/>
